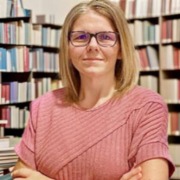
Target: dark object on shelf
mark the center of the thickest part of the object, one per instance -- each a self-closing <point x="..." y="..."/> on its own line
<point x="13" y="131"/>
<point x="173" y="139"/>
<point x="6" y="177"/>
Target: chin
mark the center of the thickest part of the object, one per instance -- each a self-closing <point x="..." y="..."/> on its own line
<point x="92" y="74"/>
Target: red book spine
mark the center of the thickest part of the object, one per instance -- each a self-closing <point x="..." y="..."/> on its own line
<point x="179" y="90"/>
<point x="164" y="30"/>
<point x="26" y="59"/>
<point x="8" y="125"/>
<point x="141" y="59"/>
<point x="123" y="5"/>
<point x="174" y="123"/>
<point x="178" y="58"/>
<point x="7" y="95"/>
<point x="3" y="93"/>
<point x="175" y="57"/>
<point x="145" y="58"/>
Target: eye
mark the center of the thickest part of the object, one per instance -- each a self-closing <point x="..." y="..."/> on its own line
<point x="79" y="36"/>
<point x="83" y="36"/>
<point x="106" y="36"/>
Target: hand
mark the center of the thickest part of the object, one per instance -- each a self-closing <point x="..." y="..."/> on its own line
<point x="28" y="174"/>
<point x="133" y="174"/>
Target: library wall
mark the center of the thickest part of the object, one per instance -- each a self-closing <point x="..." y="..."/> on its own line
<point x="56" y="7"/>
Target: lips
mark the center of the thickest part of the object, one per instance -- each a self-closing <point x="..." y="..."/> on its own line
<point x="92" y="59"/>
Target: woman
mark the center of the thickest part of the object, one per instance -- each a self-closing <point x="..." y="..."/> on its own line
<point x="102" y="126"/>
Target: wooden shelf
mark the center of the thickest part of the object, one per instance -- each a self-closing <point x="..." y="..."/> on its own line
<point x="12" y="131"/>
<point x="17" y="104"/>
<point x="143" y="18"/>
<point x="46" y="48"/>
<point x="54" y="26"/>
<point x="147" y="44"/>
<point x="10" y="19"/>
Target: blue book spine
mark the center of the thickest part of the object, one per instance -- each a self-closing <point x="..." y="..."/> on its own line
<point x="1" y="57"/>
<point x="14" y="92"/>
<point x="27" y="12"/>
<point x="4" y="60"/>
<point x="13" y="59"/>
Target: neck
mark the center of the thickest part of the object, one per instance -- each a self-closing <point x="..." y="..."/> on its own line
<point x="96" y="91"/>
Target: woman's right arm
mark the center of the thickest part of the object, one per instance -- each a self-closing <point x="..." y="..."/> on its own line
<point x="22" y="171"/>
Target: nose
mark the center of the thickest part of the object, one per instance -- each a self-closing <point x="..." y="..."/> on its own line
<point x="93" y="45"/>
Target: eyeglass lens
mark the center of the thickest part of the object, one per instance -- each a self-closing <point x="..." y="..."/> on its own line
<point x="79" y="38"/>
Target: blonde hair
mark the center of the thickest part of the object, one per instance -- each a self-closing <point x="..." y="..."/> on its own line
<point x="126" y="70"/>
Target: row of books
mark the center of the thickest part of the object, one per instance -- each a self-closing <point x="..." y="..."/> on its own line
<point x="22" y="59"/>
<point x="15" y="117"/>
<point x="46" y="36"/>
<point x="174" y="151"/>
<point x="8" y="156"/>
<point x="149" y="81"/>
<point x="50" y="37"/>
<point x="16" y="92"/>
<point x="13" y="92"/>
<point x="20" y="32"/>
<point x="171" y="90"/>
<point x="149" y="8"/>
<point x="148" y="57"/>
<point x="12" y="8"/>
<point x="4" y="142"/>
<point x="170" y="6"/>
<point x="170" y="57"/>
<point x="174" y="124"/>
<point x="43" y="85"/>
<point x="140" y="8"/>
<point x="8" y="141"/>
<point x="170" y="31"/>
<point x="144" y="32"/>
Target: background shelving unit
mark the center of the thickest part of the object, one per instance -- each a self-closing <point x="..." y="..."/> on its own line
<point x="159" y="19"/>
<point x="29" y="65"/>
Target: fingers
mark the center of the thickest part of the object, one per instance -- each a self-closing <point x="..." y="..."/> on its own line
<point x="133" y="174"/>
<point x="22" y="173"/>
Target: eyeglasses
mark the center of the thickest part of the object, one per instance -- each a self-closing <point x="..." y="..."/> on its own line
<point x="81" y="38"/>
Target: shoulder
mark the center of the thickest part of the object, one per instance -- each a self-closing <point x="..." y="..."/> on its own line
<point x="140" y="97"/>
<point x="49" y="98"/>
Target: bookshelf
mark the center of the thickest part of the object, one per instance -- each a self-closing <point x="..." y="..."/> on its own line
<point x="29" y="65"/>
<point x="155" y="28"/>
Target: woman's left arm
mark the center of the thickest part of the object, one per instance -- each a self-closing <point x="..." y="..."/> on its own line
<point x="155" y="169"/>
<point x="149" y="145"/>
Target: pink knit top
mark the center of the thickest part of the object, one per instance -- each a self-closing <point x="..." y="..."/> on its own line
<point x="65" y="142"/>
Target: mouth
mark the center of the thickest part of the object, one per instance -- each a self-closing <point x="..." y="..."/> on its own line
<point x="92" y="59"/>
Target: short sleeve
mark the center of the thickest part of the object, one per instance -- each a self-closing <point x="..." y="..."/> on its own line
<point x="26" y="148"/>
<point x="149" y="138"/>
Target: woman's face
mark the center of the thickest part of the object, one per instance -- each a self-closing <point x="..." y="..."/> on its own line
<point x="94" y="60"/>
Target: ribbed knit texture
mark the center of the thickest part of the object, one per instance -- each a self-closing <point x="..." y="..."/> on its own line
<point x="68" y="143"/>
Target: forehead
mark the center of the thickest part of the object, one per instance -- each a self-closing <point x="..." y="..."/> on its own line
<point x="93" y="21"/>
